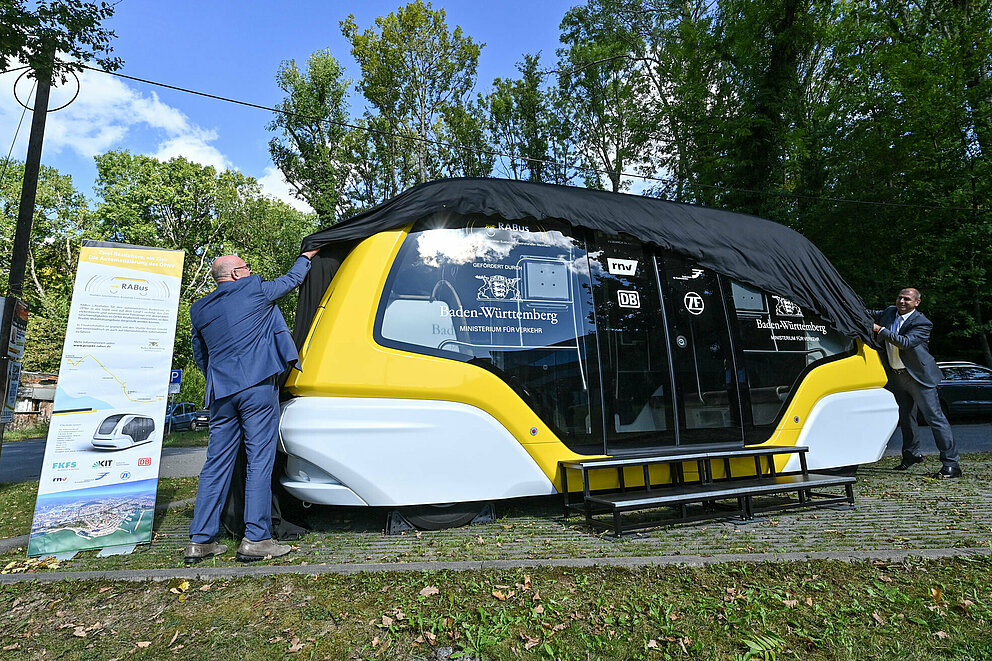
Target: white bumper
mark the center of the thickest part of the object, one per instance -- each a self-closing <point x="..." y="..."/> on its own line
<point x="392" y="452"/>
<point x="848" y="429"/>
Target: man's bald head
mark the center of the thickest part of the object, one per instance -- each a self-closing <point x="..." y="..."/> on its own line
<point x="228" y="267"/>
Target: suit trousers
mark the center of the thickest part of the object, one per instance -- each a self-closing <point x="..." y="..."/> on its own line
<point x="250" y="416"/>
<point x="911" y="395"/>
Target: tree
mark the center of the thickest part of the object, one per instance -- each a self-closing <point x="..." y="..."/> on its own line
<point x="520" y="120"/>
<point x="311" y="123"/>
<point x="417" y="77"/>
<point x="181" y="205"/>
<point x="608" y="92"/>
<point x="69" y="27"/>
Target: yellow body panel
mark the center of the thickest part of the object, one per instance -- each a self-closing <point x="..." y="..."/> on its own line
<point x="340" y="358"/>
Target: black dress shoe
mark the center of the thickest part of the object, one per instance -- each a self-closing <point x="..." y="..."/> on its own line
<point x="948" y="472"/>
<point x="909" y="460"/>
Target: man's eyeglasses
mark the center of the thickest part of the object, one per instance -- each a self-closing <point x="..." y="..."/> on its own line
<point x="237" y="268"/>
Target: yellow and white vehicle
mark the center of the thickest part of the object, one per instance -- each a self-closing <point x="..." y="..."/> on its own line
<point x="461" y="340"/>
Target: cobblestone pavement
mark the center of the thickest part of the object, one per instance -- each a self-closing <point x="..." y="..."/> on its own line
<point x="895" y="511"/>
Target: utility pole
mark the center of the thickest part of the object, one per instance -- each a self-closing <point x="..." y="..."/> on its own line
<point x="25" y="216"/>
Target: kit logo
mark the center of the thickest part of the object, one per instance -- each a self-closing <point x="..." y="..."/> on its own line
<point x="103" y="463"/>
<point x="64" y="465"/>
<point x="693" y="303"/>
<point x="145" y="461"/>
<point x="628" y="299"/>
<point x="621" y="266"/>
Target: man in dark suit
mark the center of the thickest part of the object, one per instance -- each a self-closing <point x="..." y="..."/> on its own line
<point x="241" y="343"/>
<point x="913" y="378"/>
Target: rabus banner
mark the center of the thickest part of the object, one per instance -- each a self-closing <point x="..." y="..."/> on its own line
<point x="100" y="472"/>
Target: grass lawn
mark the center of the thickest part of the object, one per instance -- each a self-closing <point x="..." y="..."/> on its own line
<point x="28" y="433"/>
<point x="811" y="610"/>
<point x="18" y="499"/>
<point x="186" y="439"/>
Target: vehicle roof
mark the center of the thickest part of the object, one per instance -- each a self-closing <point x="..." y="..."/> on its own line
<point x="753" y="250"/>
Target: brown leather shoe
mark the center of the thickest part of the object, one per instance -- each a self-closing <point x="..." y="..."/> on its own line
<point x="198" y="552"/>
<point x="249" y="551"/>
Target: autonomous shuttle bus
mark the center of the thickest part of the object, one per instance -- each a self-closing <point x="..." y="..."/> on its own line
<point x="460" y="340"/>
<point x="123" y="430"/>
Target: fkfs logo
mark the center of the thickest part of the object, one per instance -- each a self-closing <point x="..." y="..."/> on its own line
<point x="64" y="465"/>
<point x="105" y="463"/>
<point x="145" y="461"/>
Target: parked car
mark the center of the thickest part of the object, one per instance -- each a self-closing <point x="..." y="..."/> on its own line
<point x="966" y="390"/>
<point x="201" y="420"/>
<point x="186" y="415"/>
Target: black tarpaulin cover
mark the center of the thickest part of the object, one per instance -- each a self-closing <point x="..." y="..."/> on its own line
<point x="759" y="252"/>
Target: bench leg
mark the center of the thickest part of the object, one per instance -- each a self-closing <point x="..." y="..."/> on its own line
<point x="849" y="490"/>
<point x="616" y="523"/>
<point x="564" y="489"/>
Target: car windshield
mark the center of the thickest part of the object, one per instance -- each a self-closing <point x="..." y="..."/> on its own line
<point x="108" y="424"/>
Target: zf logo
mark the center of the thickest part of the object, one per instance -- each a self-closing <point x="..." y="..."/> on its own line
<point x="125" y="475"/>
<point x="145" y="461"/>
<point x="104" y="463"/>
<point x="693" y="303"/>
<point x="59" y="479"/>
<point x="628" y="299"/>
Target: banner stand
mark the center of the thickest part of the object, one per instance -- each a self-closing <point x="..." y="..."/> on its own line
<point x="100" y="473"/>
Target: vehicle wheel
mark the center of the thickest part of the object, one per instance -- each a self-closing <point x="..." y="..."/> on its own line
<point x="194" y="427"/>
<point x="439" y="517"/>
<point x="844" y="471"/>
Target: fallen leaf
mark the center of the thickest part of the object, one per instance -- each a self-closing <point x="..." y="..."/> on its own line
<point x="964" y="605"/>
<point x="294" y="646"/>
<point x="429" y="591"/>
<point x="653" y="644"/>
<point x="205" y="588"/>
<point x="809" y="601"/>
<point x="79" y="632"/>
<point x="526" y="582"/>
<point x="104" y="589"/>
<point x="884" y="578"/>
<point x="499" y="595"/>
<point x="539" y="609"/>
<point x="791" y="603"/>
<point x="878" y="618"/>
<point x="387" y="621"/>
<point x="143" y="643"/>
<point x="431" y="638"/>
<point x="942" y="635"/>
<point x="376" y="641"/>
<point x="673" y="616"/>
<point x="937" y="594"/>
<point x="530" y="643"/>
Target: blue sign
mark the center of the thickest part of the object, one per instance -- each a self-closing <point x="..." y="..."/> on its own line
<point x="175" y="377"/>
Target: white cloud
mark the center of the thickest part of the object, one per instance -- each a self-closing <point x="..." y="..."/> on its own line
<point x="109" y="114"/>
<point x="274" y="184"/>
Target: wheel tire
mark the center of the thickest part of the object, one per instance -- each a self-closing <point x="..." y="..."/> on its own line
<point x="440" y="517"/>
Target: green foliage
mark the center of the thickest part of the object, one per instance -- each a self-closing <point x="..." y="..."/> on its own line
<point x="68" y="28"/>
<point x="417" y="76"/>
<point x="311" y="129"/>
<point x="194" y="386"/>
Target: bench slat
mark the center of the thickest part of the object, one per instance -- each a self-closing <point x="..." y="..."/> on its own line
<point x="617" y="462"/>
<point x="717" y="491"/>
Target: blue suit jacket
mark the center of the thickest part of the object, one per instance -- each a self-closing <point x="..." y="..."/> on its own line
<point x="912" y="341"/>
<point x="239" y="335"/>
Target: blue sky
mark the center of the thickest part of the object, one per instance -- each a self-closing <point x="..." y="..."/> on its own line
<point x="233" y="49"/>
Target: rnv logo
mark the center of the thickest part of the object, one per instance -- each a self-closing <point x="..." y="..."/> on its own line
<point x="621" y="266"/>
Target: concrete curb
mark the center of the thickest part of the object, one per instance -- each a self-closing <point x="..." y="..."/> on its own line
<point x="255" y="571"/>
<point x="12" y="543"/>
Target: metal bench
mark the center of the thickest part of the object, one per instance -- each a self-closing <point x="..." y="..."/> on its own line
<point x="704" y="489"/>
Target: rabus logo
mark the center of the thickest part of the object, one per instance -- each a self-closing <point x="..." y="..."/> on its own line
<point x="628" y="299"/>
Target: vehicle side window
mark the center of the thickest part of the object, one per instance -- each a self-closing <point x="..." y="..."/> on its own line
<point x="780" y="341"/>
<point x="977" y="373"/>
<point x="953" y="373"/>
<point x="131" y="428"/>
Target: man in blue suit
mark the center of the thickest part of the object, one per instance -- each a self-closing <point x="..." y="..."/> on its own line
<point x="913" y="378"/>
<point x="242" y="344"/>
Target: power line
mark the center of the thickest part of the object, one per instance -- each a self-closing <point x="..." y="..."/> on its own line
<point x="17" y="131"/>
<point x="523" y="159"/>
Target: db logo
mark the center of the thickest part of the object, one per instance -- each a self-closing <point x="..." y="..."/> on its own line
<point x="628" y="299"/>
<point x="145" y="461"/>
